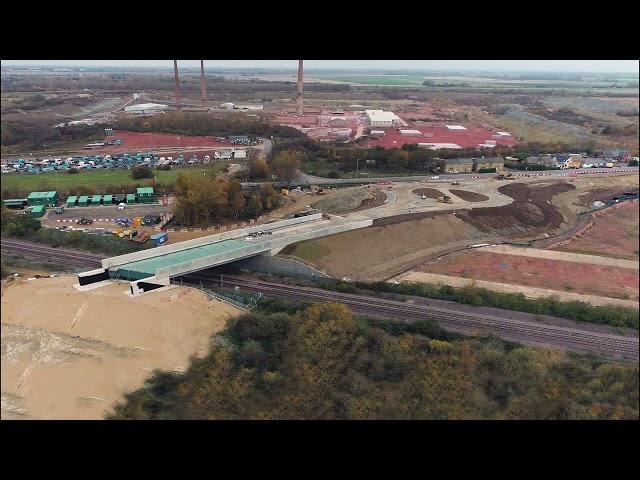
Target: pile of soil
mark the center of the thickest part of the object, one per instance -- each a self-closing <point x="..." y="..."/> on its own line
<point x="530" y="213"/>
<point x="469" y="196"/>
<point x="602" y="194"/>
<point x="350" y="200"/>
<point x="407" y="217"/>
<point x="428" y="192"/>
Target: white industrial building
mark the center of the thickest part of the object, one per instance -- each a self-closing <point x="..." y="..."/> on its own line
<point x="146" y="108"/>
<point x="437" y="146"/>
<point x="381" y="118"/>
<point x="455" y="127"/>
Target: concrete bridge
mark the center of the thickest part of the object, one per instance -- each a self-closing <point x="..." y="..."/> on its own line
<point x="154" y="268"/>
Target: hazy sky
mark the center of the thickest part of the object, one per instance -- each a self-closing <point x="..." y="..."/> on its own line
<point x="490" y="65"/>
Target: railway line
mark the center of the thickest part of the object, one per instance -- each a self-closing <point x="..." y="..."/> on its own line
<point x="528" y="332"/>
<point x="537" y="334"/>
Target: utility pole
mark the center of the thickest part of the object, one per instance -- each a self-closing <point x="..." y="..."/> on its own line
<point x="357" y="166"/>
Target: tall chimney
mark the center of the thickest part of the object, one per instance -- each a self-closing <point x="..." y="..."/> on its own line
<point x="175" y="69"/>
<point x="203" y="84"/>
<point x="299" y="105"/>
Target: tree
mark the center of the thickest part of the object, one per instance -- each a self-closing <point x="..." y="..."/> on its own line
<point x="399" y="160"/>
<point x="237" y="203"/>
<point x="286" y="165"/>
<point x="141" y="171"/>
<point x="258" y="168"/>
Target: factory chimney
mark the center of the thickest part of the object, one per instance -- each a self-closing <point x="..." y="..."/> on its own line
<point x="299" y="105"/>
<point x="175" y="69"/>
<point x="203" y="84"/>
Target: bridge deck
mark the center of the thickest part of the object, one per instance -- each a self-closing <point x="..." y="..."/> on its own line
<point x="147" y="267"/>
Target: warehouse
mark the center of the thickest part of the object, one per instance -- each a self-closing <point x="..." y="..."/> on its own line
<point x="480" y="164"/>
<point x="142" y="108"/>
<point x="15" y="203"/>
<point x="49" y="199"/>
<point x="381" y="118"/>
<point x="37" y="211"/>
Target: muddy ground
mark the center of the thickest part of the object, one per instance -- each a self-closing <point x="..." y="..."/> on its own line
<point x="428" y="192"/>
<point x="469" y="196"/>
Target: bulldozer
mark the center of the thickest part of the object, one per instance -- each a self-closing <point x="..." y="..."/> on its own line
<point x="445" y="199"/>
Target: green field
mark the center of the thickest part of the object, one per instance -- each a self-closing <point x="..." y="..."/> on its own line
<point x="380" y="80"/>
<point x="96" y="179"/>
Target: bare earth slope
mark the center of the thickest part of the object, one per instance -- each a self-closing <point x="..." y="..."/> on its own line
<point x="71" y="355"/>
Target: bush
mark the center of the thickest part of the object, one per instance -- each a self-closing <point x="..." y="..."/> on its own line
<point x="333" y="174"/>
<point x="73" y="171"/>
<point x="141" y="171"/>
<point x="487" y="170"/>
<point x="633" y="163"/>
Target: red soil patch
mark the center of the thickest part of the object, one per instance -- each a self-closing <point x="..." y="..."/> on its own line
<point x="428" y="192"/>
<point x="539" y="272"/>
<point x="614" y="233"/>
<point x="530" y="213"/>
<point x="469" y="138"/>
<point x="469" y="196"/>
<point x="149" y="141"/>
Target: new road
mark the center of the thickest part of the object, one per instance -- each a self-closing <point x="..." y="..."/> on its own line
<point x="455" y="317"/>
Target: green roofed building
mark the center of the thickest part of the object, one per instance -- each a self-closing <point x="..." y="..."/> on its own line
<point x="83" y="200"/>
<point x="107" y="200"/>
<point x="131" y="198"/>
<point x="37" y="211"/>
<point x="49" y="199"/>
<point x="95" y="200"/>
<point x="72" y="201"/>
<point x="145" y="194"/>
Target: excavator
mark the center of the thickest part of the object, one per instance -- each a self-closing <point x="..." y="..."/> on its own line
<point x="445" y="199"/>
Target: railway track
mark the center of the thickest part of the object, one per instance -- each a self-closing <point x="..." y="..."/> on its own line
<point x="537" y="334"/>
<point x="51" y="254"/>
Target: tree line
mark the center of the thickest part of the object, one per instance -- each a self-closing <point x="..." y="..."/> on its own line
<point x="204" y="200"/>
<point x="322" y="362"/>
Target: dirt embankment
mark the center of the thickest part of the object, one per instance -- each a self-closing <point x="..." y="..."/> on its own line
<point x="350" y="200"/>
<point x="428" y="192"/>
<point x="530" y="213"/>
<point x="389" y="247"/>
<point x="71" y="355"/>
<point x="602" y="194"/>
<point x="469" y="196"/>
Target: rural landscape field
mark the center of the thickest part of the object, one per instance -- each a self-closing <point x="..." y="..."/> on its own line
<point x="186" y="240"/>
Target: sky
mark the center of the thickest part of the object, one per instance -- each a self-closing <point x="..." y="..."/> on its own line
<point x="604" y="66"/>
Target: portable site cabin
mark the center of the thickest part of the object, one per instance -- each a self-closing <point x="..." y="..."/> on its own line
<point x="119" y="198"/>
<point x="83" y="200"/>
<point x="145" y="194"/>
<point x="107" y="200"/>
<point x="15" y="203"/>
<point x="38" y="211"/>
<point x="159" y="238"/>
<point x="95" y="200"/>
<point x="48" y="199"/>
<point x="72" y="201"/>
<point x="131" y="198"/>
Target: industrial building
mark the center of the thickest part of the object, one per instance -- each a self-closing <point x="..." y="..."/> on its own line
<point x="144" y="108"/>
<point x="38" y="211"/>
<point x="438" y="146"/>
<point x="382" y="118"/>
<point x="145" y="194"/>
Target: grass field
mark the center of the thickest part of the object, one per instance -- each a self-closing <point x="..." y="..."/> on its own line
<point x="96" y="179"/>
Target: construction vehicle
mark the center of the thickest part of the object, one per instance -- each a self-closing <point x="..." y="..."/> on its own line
<point x="59" y="210"/>
<point x="318" y="190"/>
<point x="285" y="192"/>
<point x="137" y="221"/>
<point x="505" y="176"/>
<point x="85" y="221"/>
<point x="143" y="237"/>
<point x="445" y="199"/>
<point x="455" y="183"/>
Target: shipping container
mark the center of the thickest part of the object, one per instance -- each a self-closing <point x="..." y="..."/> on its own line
<point x="159" y="238"/>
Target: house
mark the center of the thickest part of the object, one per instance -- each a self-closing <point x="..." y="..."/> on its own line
<point x="572" y="160"/>
<point x="617" y="154"/>
<point x="458" y="165"/>
<point x="488" y="162"/>
<point x="546" y="160"/>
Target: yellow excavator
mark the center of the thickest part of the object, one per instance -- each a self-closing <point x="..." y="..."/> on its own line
<point x="445" y="199"/>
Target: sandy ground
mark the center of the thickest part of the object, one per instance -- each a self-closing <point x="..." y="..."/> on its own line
<point x="530" y="292"/>
<point x="71" y="355"/>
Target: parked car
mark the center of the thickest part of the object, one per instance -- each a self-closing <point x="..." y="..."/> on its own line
<point x="122" y="206"/>
<point x="59" y="210"/>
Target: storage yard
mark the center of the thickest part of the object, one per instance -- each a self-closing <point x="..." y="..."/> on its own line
<point x="71" y="355"/>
